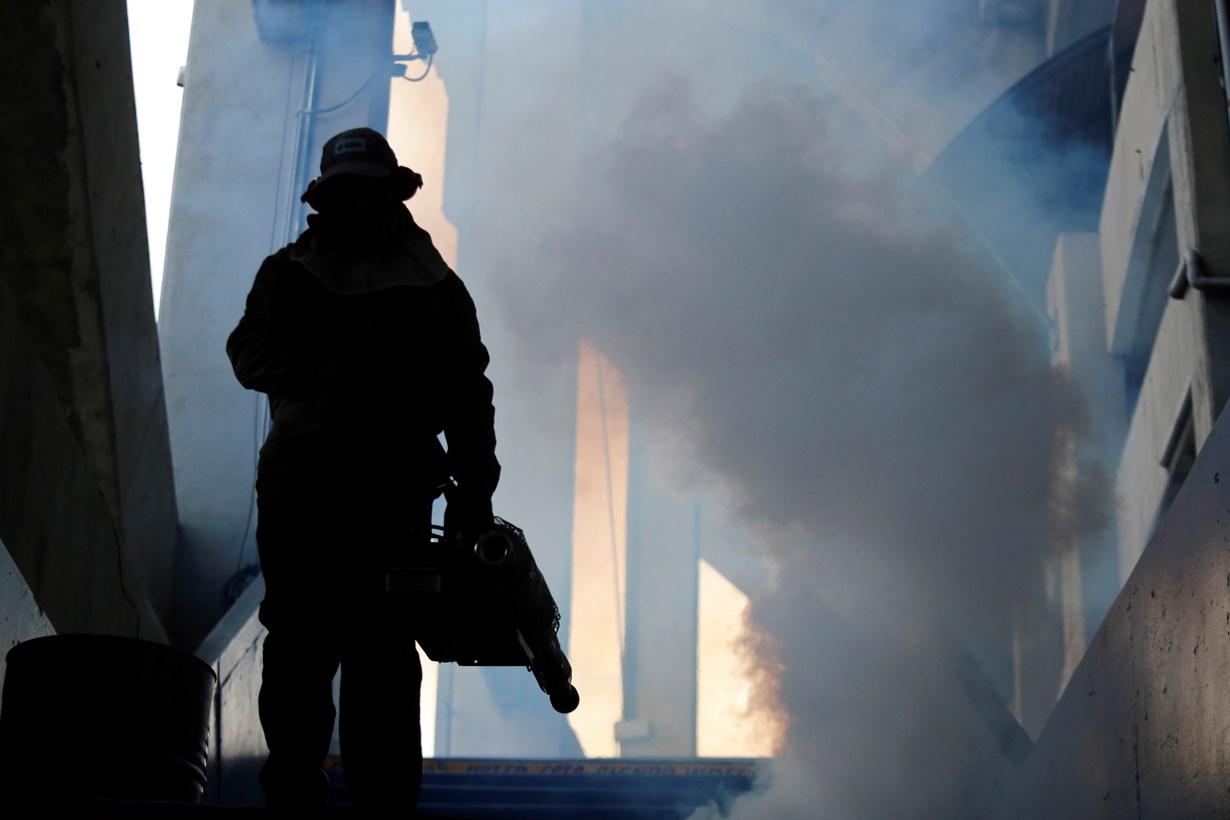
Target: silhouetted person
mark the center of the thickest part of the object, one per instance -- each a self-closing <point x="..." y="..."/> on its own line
<point x="368" y="347"/>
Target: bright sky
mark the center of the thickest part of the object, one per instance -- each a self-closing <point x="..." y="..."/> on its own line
<point x="158" y="31"/>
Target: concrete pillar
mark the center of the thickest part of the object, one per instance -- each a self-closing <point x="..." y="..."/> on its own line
<point x="267" y="83"/>
<point x="662" y="606"/>
<point x="1200" y="161"/>
<point x="87" y="463"/>
<point x="1077" y="308"/>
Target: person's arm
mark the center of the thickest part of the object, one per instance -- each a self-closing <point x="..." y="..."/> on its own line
<point x="261" y="352"/>
<point x="469" y="424"/>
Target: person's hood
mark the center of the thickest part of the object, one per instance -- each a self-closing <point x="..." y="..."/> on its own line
<point x="371" y="255"/>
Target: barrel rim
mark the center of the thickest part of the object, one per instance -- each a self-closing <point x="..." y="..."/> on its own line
<point x="64" y="638"/>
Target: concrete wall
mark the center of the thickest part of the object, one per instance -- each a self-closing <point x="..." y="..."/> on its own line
<point x="54" y="518"/>
<point x="1141" y="479"/>
<point x="1200" y="162"/>
<point x="1140" y="731"/>
<point x="1171" y="145"/>
<point x="1141" y="131"/>
<point x="237" y="744"/>
<point x="246" y="149"/>
<point x="87" y="508"/>
<point x="21" y="618"/>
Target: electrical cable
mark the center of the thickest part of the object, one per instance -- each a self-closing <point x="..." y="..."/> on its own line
<point x="119" y="560"/>
<point x="344" y="102"/>
<point x="426" y="71"/>
<point x="119" y="556"/>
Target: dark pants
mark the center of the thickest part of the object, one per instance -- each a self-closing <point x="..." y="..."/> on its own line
<point x="327" y="531"/>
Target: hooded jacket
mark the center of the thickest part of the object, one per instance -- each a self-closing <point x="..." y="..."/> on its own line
<point x="368" y="347"/>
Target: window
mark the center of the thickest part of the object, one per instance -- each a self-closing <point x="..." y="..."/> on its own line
<point x="1179" y="454"/>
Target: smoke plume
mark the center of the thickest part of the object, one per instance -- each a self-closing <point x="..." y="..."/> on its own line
<point x="815" y="343"/>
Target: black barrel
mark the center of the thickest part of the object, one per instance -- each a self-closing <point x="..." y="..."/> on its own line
<point x="103" y="716"/>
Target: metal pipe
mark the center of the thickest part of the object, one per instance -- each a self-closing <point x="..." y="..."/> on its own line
<point x="1191" y="273"/>
<point x="305" y="126"/>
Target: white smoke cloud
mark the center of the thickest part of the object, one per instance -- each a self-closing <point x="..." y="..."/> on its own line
<point x="816" y="347"/>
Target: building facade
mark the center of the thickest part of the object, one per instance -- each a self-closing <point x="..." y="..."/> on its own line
<point x="1138" y="307"/>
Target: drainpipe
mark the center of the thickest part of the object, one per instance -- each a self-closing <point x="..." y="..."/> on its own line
<point x="304" y="131"/>
<point x="1191" y="273"/>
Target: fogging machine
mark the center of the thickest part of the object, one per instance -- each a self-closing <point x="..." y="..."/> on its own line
<point x="484" y="602"/>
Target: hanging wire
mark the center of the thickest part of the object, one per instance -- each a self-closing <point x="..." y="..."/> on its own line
<point x="358" y="91"/>
<point x="426" y="71"/>
<point x="344" y="102"/>
<point x="119" y="555"/>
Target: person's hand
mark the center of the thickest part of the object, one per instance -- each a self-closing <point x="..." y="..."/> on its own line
<point x="467" y="515"/>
